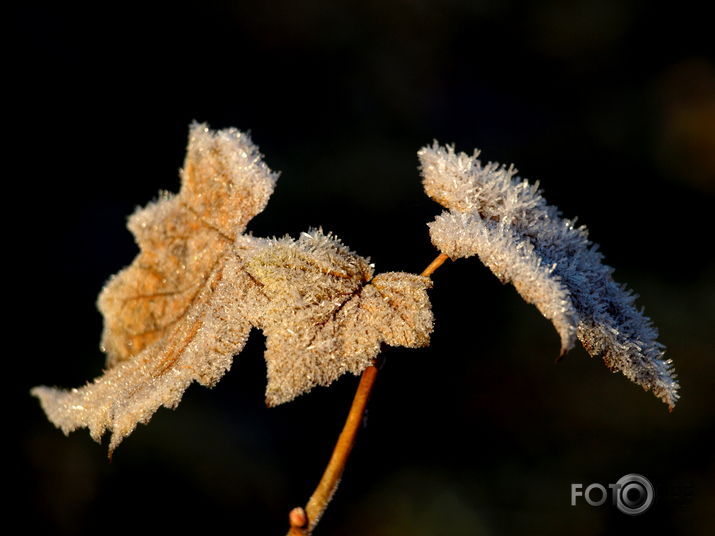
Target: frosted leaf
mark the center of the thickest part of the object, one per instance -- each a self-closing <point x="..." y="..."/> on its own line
<point x="327" y="314"/>
<point x="198" y="347"/>
<point x="507" y="223"/>
<point x="180" y="311"/>
<point x="182" y="237"/>
<point x="187" y="303"/>
<point x="512" y="261"/>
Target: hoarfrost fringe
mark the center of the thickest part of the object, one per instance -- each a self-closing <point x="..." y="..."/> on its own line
<point x="506" y="222"/>
<point x="185" y="306"/>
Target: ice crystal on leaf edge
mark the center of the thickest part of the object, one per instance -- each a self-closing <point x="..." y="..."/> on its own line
<point x="185" y="306"/>
<point x="505" y="221"/>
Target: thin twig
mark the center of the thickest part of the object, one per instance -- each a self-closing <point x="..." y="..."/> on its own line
<point x="436" y="263"/>
<point x="303" y="521"/>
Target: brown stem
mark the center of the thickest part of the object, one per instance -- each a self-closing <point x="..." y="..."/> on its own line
<point x="303" y="521"/>
<point x="436" y="263"/>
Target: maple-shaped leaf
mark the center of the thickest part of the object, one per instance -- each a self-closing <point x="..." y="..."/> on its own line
<point x="187" y="303"/>
<point x="177" y="314"/>
<point x="327" y="314"/>
<point x="183" y="239"/>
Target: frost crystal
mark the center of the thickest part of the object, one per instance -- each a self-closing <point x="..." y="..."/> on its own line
<point x="327" y="314"/>
<point x="187" y="303"/>
<point x="184" y="238"/>
<point x="524" y="241"/>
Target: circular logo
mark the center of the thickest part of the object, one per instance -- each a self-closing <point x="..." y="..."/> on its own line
<point x="634" y="494"/>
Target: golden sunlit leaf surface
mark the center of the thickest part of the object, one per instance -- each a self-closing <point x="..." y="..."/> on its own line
<point x="327" y="314"/>
<point x="185" y="306"/>
<point x="183" y="239"/>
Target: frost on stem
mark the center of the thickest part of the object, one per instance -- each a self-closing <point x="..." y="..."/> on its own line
<point x="187" y="303"/>
<point x="506" y="222"/>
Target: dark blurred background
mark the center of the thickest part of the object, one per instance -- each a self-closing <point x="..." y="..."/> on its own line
<point x="609" y="104"/>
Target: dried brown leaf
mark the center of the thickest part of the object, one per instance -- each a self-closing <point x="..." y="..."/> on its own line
<point x="182" y="239"/>
<point x="180" y="312"/>
<point x="187" y="303"/>
<point x="198" y="347"/>
<point x="327" y="314"/>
